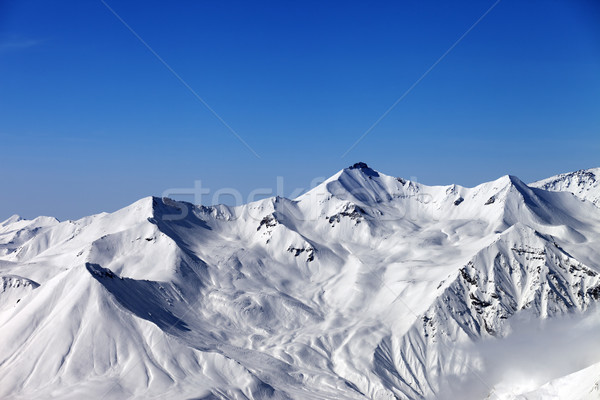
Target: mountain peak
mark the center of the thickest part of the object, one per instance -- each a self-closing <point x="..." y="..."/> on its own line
<point x="518" y="183"/>
<point x="12" y="219"/>
<point x="585" y="184"/>
<point x="364" y="168"/>
<point x="358" y="165"/>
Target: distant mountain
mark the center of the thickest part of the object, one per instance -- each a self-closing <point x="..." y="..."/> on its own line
<point x="368" y="286"/>
<point x="584" y="184"/>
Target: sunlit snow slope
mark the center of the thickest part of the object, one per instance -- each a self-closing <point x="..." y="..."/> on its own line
<point x="366" y="287"/>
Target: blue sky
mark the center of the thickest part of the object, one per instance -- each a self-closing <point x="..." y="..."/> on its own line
<point x="91" y="120"/>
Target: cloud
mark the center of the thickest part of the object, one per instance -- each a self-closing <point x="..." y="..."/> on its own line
<point x="19" y="44"/>
<point x="533" y="354"/>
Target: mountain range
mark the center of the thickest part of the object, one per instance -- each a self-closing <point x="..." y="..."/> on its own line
<point x="368" y="286"/>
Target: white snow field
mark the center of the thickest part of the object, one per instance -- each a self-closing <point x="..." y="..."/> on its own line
<point x="366" y="287"/>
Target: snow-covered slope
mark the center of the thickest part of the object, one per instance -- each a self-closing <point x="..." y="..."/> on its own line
<point x="367" y="286"/>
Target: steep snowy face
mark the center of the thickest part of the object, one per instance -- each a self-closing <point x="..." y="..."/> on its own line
<point x="362" y="184"/>
<point x="584" y="184"/>
<point x="367" y="286"/>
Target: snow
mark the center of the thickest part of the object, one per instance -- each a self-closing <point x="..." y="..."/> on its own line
<point x="367" y="286"/>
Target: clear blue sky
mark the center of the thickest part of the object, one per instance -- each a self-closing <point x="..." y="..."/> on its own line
<point x="91" y="120"/>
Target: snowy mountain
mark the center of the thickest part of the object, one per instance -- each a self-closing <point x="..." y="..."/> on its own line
<point x="367" y="286"/>
<point x="584" y="184"/>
